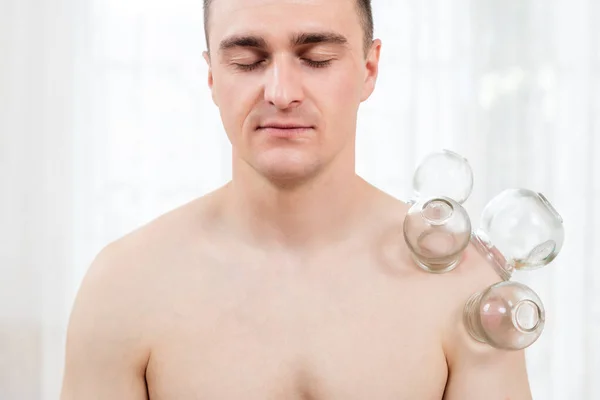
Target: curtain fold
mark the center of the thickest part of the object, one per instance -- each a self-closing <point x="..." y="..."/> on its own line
<point x="36" y="147"/>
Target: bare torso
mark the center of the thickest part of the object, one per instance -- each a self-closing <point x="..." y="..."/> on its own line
<point x="226" y="321"/>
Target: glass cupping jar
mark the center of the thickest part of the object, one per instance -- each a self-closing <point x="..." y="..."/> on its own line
<point x="437" y="229"/>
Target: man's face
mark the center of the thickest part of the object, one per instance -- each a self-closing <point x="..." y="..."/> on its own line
<point x="289" y="62"/>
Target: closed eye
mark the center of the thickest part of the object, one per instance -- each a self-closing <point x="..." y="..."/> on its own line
<point x="311" y="63"/>
<point x="318" y="64"/>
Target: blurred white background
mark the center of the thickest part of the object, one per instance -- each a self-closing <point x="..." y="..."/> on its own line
<point x="106" y="122"/>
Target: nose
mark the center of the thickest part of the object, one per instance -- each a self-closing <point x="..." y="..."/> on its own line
<point x="283" y="86"/>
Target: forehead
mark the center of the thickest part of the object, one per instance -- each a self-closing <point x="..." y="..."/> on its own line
<point x="276" y="19"/>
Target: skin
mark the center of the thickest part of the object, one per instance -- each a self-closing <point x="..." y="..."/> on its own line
<point x="292" y="280"/>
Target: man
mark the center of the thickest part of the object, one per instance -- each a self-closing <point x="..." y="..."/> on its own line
<point x="293" y="280"/>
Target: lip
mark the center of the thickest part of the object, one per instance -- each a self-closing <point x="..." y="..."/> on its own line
<point x="289" y="131"/>
<point x="283" y="125"/>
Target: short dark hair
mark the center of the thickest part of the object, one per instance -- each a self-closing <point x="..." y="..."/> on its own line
<point x="365" y="14"/>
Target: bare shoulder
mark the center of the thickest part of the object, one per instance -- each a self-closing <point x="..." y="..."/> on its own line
<point x="126" y="262"/>
<point x="124" y="268"/>
<point x="475" y="370"/>
<point x="472" y="274"/>
<point x="113" y="321"/>
<point x="452" y="289"/>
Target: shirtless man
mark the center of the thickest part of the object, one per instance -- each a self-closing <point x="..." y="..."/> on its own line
<point x="292" y="281"/>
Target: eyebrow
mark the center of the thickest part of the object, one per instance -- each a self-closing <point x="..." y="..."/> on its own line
<point x="296" y="40"/>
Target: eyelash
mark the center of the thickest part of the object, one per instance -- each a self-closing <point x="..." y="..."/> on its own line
<point x="313" y="64"/>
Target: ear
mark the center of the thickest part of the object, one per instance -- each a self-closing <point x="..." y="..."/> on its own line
<point x="372" y="69"/>
<point x="206" y="56"/>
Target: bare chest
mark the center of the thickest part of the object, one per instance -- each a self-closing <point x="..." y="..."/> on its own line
<point x="283" y="335"/>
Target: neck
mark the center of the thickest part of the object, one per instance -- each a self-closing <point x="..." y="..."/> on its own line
<point x="300" y="216"/>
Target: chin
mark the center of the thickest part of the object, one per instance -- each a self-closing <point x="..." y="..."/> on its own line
<point x="288" y="167"/>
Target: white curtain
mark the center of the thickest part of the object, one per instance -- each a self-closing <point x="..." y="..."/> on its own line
<point x="106" y="122"/>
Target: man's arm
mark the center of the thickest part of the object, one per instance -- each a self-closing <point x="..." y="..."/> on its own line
<point x="488" y="374"/>
<point x="478" y="371"/>
<point x="105" y="354"/>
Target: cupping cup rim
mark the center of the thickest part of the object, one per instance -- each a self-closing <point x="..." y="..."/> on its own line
<point x="485" y="338"/>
